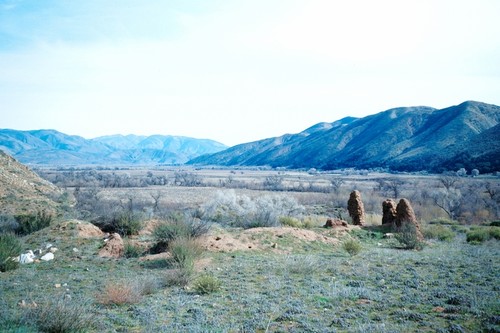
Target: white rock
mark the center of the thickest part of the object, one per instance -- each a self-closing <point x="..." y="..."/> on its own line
<point x="48" y="246"/>
<point x="75" y="250"/>
<point x="53" y="249"/>
<point x="47" y="257"/>
<point x="26" y="258"/>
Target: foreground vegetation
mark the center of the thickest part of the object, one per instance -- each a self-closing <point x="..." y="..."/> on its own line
<point x="446" y="287"/>
<point x="169" y="281"/>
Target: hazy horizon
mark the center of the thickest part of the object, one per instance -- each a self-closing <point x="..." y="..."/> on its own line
<point x="238" y="71"/>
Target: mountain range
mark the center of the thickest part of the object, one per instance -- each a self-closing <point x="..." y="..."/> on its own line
<point x="400" y="139"/>
<point x="50" y="147"/>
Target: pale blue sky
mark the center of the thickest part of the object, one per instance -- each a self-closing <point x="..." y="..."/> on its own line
<point x="238" y="70"/>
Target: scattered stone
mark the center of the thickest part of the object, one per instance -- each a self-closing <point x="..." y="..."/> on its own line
<point x="218" y="238"/>
<point x="356" y="208"/>
<point x="274" y="246"/>
<point x="53" y="249"/>
<point x="75" y="250"/>
<point x="335" y="223"/>
<point x="27" y="258"/>
<point x="57" y="285"/>
<point x="389" y="235"/>
<point x="388" y="212"/>
<point x="405" y="214"/>
<point x="114" y="247"/>
<point x="438" y="309"/>
<point x="37" y="252"/>
<point x="48" y="256"/>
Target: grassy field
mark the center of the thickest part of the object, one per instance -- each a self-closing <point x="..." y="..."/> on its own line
<point x="446" y="287"/>
<point x="278" y="279"/>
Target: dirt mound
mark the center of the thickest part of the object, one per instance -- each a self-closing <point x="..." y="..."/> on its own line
<point x="221" y="240"/>
<point x="88" y="230"/>
<point x="114" y="247"/>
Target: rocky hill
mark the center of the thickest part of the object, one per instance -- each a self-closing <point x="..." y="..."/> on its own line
<point x="23" y="191"/>
<point x="404" y="139"/>
<point x="50" y="147"/>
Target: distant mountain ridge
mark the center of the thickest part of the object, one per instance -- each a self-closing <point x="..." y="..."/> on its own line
<point x="404" y="139"/>
<point x="50" y="147"/>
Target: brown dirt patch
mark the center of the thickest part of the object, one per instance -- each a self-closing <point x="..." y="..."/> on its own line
<point x="221" y="240"/>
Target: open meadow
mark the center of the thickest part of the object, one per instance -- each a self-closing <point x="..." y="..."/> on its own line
<point x="246" y="250"/>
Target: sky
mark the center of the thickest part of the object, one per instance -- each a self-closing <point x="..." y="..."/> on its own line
<point x="237" y="71"/>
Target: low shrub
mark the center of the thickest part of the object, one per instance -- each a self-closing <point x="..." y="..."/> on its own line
<point x="439" y="232"/>
<point x="124" y="223"/>
<point x="168" y="231"/>
<point x="481" y="234"/>
<point x="29" y="223"/>
<point x="243" y="211"/>
<point x="290" y="222"/>
<point x="120" y="293"/>
<point x="10" y="247"/>
<point x="178" y="277"/>
<point x="352" y="246"/>
<point x="132" y="251"/>
<point x="185" y="252"/>
<point x="495" y="223"/>
<point x="443" y="221"/>
<point x="207" y="284"/>
<point x="63" y="316"/>
<point x="8" y="223"/>
<point x="302" y="264"/>
<point x="407" y="236"/>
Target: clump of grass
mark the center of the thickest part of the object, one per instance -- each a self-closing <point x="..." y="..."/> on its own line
<point x="120" y="293"/>
<point x="10" y="247"/>
<point x="125" y="223"/>
<point x="166" y="232"/>
<point x="443" y="221"/>
<point x="290" y="222"/>
<point x="495" y="223"/>
<point x="207" y="284"/>
<point x="63" y="316"/>
<point x="178" y="277"/>
<point x="352" y="246"/>
<point x="132" y="251"/>
<point x="481" y="234"/>
<point x="302" y="264"/>
<point x="407" y="236"/>
<point x="185" y="252"/>
<point x="439" y="232"/>
<point x="29" y="223"/>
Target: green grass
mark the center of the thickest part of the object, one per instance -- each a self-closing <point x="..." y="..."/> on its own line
<point x="382" y="289"/>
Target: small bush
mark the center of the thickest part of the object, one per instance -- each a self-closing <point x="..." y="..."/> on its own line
<point x="178" y="277"/>
<point x="439" y="232"/>
<point x="207" y="284"/>
<point x="10" y="247"/>
<point x="290" y="222"/>
<point x="29" y="223"/>
<point x="124" y="223"/>
<point x="495" y="223"/>
<point x="352" y="246"/>
<point x="443" y="221"/>
<point x="120" y="293"/>
<point x="8" y="223"/>
<point x="185" y="251"/>
<point x="481" y="234"/>
<point x="168" y="231"/>
<point x="132" y="251"/>
<point x="408" y="237"/>
<point x="63" y="316"/>
<point x="302" y="264"/>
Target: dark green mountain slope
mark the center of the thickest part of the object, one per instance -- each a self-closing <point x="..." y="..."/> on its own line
<point x="406" y="139"/>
